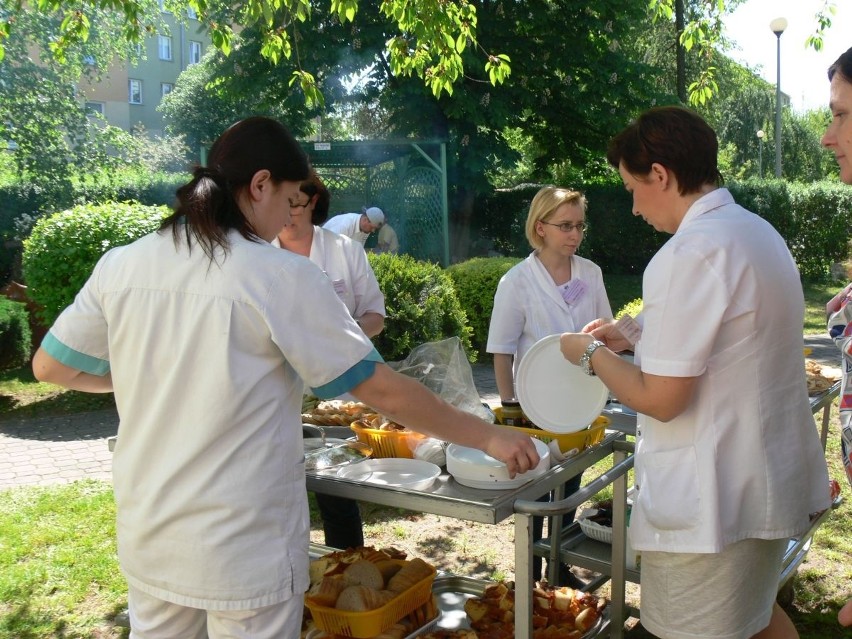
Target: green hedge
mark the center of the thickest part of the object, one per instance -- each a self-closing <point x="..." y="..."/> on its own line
<point x="814" y="219"/>
<point x="421" y="306"/>
<point x="63" y="248"/>
<point x="15" y="335"/>
<point x="32" y="201"/>
<point x="476" y="282"/>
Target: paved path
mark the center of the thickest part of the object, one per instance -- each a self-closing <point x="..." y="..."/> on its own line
<point x="55" y="450"/>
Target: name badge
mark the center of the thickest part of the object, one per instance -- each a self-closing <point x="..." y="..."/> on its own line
<point x="629" y="328"/>
<point x="339" y="287"/>
<point x="572" y="291"/>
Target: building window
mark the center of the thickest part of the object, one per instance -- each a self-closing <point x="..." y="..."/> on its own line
<point x="194" y="52"/>
<point x="94" y="107"/>
<point x="166" y="88"/>
<point x="191" y="14"/>
<point x="165" y="47"/>
<point x="134" y="91"/>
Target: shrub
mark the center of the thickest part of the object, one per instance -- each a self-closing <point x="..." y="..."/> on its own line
<point x="15" y="336"/>
<point x="632" y="308"/>
<point x="421" y="306"/>
<point x="23" y="204"/>
<point x="62" y="249"/>
<point x="476" y="282"/>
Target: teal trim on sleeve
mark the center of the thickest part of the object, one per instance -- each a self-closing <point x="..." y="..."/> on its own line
<point x="351" y="378"/>
<point x="74" y="359"/>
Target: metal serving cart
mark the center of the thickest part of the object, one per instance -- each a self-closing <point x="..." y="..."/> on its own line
<point x="448" y="498"/>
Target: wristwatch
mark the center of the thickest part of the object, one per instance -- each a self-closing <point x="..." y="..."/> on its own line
<point x="586" y="357"/>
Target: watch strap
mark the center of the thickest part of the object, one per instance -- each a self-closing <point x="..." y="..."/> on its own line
<point x="586" y="357"/>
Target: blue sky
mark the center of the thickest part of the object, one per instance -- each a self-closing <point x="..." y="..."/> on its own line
<point x="803" y="71"/>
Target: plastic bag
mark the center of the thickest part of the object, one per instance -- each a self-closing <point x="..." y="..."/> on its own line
<point x="443" y="367"/>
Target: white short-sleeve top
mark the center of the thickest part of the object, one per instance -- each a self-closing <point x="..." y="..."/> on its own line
<point x="345" y="263"/>
<point x="206" y="361"/>
<point x="723" y="302"/>
<point x="348" y="224"/>
<point x="529" y="306"/>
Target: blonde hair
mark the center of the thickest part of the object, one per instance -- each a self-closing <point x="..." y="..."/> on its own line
<point x="543" y="205"/>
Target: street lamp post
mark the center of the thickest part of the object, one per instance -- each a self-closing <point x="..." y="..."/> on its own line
<point x="778" y="25"/>
<point x="760" y="136"/>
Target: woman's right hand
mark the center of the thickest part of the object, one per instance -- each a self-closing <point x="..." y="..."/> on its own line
<point x="605" y="330"/>
<point x="514" y="449"/>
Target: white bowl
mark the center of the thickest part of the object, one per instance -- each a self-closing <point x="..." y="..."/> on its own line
<point x="474" y="468"/>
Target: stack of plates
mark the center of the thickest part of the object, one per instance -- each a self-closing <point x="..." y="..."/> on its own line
<point x="472" y="467"/>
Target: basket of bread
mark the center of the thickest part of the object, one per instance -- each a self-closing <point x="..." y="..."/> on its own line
<point x="386" y="438"/>
<point x="580" y="439"/>
<point x="821" y="377"/>
<point x="558" y="613"/>
<point x="333" y="412"/>
<point x="364" y="592"/>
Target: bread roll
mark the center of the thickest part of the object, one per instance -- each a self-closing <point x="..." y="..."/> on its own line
<point x="388" y="568"/>
<point x="364" y="573"/>
<point x="410" y="573"/>
<point x="362" y="598"/>
<point x="326" y="592"/>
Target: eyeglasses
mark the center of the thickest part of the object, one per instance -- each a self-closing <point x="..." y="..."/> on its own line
<point x="300" y="206"/>
<point x="567" y="227"/>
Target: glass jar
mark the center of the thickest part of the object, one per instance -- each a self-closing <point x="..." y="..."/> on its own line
<point x="512" y="413"/>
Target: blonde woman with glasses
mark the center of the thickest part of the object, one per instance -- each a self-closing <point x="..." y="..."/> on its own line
<point x="552" y="291"/>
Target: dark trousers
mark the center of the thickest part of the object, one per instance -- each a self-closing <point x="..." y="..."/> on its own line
<point x="341" y="521"/>
<point x="571" y="487"/>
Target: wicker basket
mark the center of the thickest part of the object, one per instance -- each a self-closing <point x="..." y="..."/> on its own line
<point x="580" y="440"/>
<point x="593" y="530"/>
<point x="373" y="622"/>
<point x="388" y="443"/>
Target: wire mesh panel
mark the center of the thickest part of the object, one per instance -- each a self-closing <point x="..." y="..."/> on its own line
<point x="423" y="225"/>
<point x="347" y="190"/>
<point x="406" y="185"/>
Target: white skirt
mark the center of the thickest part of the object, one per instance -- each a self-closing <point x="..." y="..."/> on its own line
<point x="727" y="595"/>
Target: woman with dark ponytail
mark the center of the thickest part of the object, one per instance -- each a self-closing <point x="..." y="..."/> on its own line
<point x="207" y="335"/>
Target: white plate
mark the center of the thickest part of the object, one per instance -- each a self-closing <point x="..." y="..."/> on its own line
<point x="476" y="469"/>
<point x="556" y="395"/>
<point x="415" y="474"/>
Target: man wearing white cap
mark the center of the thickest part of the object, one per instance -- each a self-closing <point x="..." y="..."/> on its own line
<point x="358" y="226"/>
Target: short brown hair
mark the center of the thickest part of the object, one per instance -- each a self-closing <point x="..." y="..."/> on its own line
<point x="675" y="137"/>
<point x="843" y="66"/>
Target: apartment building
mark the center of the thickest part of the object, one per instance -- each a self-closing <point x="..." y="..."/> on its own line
<point x="129" y="94"/>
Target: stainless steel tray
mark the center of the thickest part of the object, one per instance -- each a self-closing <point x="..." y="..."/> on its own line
<point x="451" y="592"/>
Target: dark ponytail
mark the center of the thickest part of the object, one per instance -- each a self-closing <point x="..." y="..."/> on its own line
<point x="207" y="206"/>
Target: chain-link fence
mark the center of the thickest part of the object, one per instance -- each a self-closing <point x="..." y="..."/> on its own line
<point x="408" y="188"/>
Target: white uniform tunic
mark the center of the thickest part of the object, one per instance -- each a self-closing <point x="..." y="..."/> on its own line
<point x="723" y="302"/>
<point x="345" y="263"/>
<point x="205" y="361"/>
<point x="348" y="224"/>
<point x="529" y="306"/>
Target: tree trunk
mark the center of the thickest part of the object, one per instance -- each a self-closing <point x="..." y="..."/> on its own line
<point x="461" y="216"/>
<point x="680" y="53"/>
